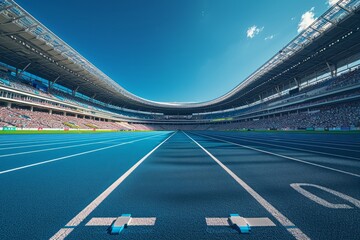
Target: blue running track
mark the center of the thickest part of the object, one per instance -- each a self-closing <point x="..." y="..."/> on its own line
<point x="308" y="185"/>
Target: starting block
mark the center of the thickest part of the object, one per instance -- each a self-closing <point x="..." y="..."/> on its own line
<point x="120" y="223"/>
<point x="243" y="225"/>
<point x="240" y="222"/>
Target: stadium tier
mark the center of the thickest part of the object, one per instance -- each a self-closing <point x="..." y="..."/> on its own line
<point x="303" y="110"/>
<point x="296" y="89"/>
<point x="275" y="157"/>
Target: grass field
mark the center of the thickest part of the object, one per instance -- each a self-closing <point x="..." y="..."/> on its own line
<point x="73" y="186"/>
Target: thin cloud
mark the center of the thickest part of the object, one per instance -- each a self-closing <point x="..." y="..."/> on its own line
<point x="332" y="2"/>
<point x="253" y="31"/>
<point x="306" y="20"/>
<point x="269" y="37"/>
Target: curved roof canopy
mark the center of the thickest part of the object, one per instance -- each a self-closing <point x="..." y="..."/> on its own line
<point x="25" y="43"/>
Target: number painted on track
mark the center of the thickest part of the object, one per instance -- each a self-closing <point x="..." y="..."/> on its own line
<point x="323" y="202"/>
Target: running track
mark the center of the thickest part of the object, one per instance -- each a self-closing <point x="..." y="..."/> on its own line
<point x="52" y="186"/>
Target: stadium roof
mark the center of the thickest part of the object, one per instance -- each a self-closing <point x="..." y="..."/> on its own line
<point x="27" y="44"/>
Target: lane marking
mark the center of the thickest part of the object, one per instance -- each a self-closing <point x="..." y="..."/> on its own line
<point x="59" y="143"/>
<point x="63" y="138"/>
<point x="62" y="233"/>
<point x="100" y="222"/>
<point x="323" y="202"/>
<point x="284" y="221"/>
<point x="142" y="221"/>
<point x="282" y="156"/>
<point x="337" y="143"/>
<point x="70" y="146"/>
<point x="75" y="155"/>
<point x="293" y="148"/>
<point x="260" y="222"/>
<point x="217" y="221"/>
<point x="253" y="222"/>
<point x="313" y="141"/>
<point x="98" y="200"/>
<point x="145" y="221"/>
<point x="293" y="142"/>
<point x="35" y="140"/>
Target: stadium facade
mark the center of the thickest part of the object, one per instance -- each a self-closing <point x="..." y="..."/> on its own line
<point x="313" y="82"/>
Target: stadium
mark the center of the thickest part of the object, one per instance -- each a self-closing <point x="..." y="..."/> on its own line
<point x="276" y="157"/>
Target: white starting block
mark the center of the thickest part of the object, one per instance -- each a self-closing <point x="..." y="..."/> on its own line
<point x="118" y="224"/>
<point x="242" y="224"/>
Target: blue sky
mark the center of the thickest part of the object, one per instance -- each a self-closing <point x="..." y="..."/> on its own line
<point x="176" y="51"/>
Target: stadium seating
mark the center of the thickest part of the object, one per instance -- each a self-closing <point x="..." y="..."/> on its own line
<point x="26" y="119"/>
<point x="297" y="110"/>
<point x="56" y="94"/>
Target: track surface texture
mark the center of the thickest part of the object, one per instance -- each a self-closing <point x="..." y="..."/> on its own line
<point x="52" y="186"/>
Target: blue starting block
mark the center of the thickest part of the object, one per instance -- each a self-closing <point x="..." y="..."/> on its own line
<point x="120" y="223"/>
<point x="240" y="223"/>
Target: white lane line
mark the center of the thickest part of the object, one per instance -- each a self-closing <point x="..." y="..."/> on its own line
<point x="253" y="222"/>
<point x="297" y="143"/>
<point x="145" y="221"/>
<point x="97" y="201"/>
<point x="62" y="233"/>
<point x="74" y="155"/>
<point x="260" y="222"/>
<point x="284" y="221"/>
<point x="57" y="148"/>
<point x="36" y="140"/>
<point x="282" y="156"/>
<point x="59" y="139"/>
<point x="100" y="221"/>
<point x="142" y="221"/>
<point x="293" y="148"/>
<point x="313" y="197"/>
<point x="217" y="221"/>
<point x="310" y="141"/>
<point x="59" y="143"/>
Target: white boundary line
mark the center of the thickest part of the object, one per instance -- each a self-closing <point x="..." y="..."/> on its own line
<point x="319" y="200"/>
<point x="290" y="142"/>
<point x="282" y="138"/>
<point x="64" y="138"/>
<point x="69" y="146"/>
<point x="282" y="156"/>
<point x="284" y="221"/>
<point x="75" y="155"/>
<point x="60" y="142"/>
<point x="42" y="140"/>
<point x="62" y="233"/>
<point x="278" y="139"/>
<point x="292" y="148"/>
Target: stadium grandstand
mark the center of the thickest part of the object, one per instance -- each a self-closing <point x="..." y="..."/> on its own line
<point x="311" y="83"/>
<point x="84" y="156"/>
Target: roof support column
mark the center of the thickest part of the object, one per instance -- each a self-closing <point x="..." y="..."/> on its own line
<point x="18" y="74"/>
<point x="52" y="83"/>
<point x="332" y="69"/>
<point x="297" y="82"/>
<point x="74" y="91"/>
<point x="277" y="88"/>
<point x="93" y="97"/>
